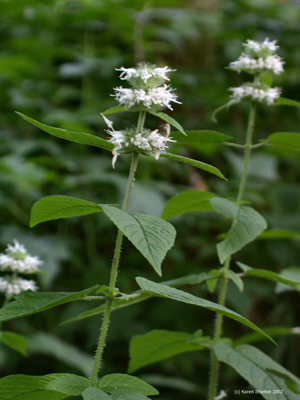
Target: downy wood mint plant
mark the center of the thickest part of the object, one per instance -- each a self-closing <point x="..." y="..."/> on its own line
<point x="268" y="378"/>
<point x="152" y="236"/>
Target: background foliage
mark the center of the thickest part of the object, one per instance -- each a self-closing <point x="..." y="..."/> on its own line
<point x="57" y="64"/>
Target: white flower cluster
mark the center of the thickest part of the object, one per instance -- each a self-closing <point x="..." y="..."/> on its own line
<point x="17" y="260"/>
<point x="12" y="285"/>
<point x="149" y="90"/>
<point x="254" y="92"/>
<point x="130" y="140"/>
<point x="145" y="72"/>
<point x="160" y="96"/>
<point x="258" y="58"/>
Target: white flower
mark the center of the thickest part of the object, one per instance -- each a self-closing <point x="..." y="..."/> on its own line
<point x="257" y="47"/>
<point x="222" y="395"/>
<point x="17" y="259"/>
<point x="274" y="63"/>
<point x="161" y="96"/>
<point x="127" y="73"/>
<point x="259" y="93"/>
<point x="12" y="286"/>
<point x="145" y="72"/>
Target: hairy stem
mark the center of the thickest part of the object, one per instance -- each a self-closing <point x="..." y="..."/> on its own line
<point x="222" y="292"/>
<point x="115" y="263"/>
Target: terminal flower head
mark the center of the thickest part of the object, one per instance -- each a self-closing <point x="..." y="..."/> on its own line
<point x="16" y="259"/>
<point x="259" y="57"/>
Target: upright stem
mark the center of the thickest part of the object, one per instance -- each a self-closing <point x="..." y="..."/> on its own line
<point x="115" y="263"/>
<point x="222" y="292"/>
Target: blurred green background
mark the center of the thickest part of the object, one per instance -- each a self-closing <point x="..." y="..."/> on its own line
<point x="57" y="65"/>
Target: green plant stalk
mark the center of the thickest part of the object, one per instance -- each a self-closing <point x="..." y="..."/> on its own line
<point x="222" y="293"/>
<point x="115" y="263"/>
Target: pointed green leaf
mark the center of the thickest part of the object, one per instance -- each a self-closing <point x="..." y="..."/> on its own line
<point x="200" y="137"/>
<point x="285" y="140"/>
<point x="194" y="163"/>
<point x="32" y="302"/>
<point x="191" y="279"/>
<point x="112" y="382"/>
<point x="287" y="102"/>
<point x="115" y="110"/>
<point x="292" y="280"/>
<point x="249" y="224"/>
<point x="279" y="234"/>
<point x="25" y="387"/>
<point x="256" y="367"/>
<point x="224" y="207"/>
<point x="93" y="393"/>
<point x="267" y="79"/>
<point x="14" y="341"/>
<point x="168" y="119"/>
<point x="289" y="278"/>
<point x="55" y="207"/>
<point x="158" y="345"/>
<point x="212" y="283"/>
<point x="184" y="297"/>
<point x="124" y="394"/>
<point x="187" y="201"/>
<point x="78" y="137"/>
<point x="273" y="331"/>
<point x="152" y="236"/>
<point x="235" y="279"/>
<point x="72" y="385"/>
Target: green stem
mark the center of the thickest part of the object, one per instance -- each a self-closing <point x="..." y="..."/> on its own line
<point x="115" y="263"/>
<point x="222" y="292"/>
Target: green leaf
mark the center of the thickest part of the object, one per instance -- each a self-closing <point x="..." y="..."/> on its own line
<point x="32" y="302"/>
<point x="249" y="224"/>
<point x="158" y="345"/>
<point x="286" y="102"/>
<point x="14" y="341"/>
<point x="55" y="207"/>
<point x="124" y="394"/>
<point x="72" y="385"/>
<point x="254" y="366"/>
<point x="292" y="280"/>
<point x="194" y="163"/>
<point x="114" y="110"/>
<point x="267" y="79"/>
<point x="290" y="277"/>
<point x="52" y="346"/>
<point x="234" y="278"/>
<point x="279" y="234"/>
<point x="212" y="283"/>
<point x="187" y="201"/>
<point x="199" y="137"/>
<point x="191" y="279"/>
<point x="285" y="140"/>
<point x="184" y="297"/>
<point x="273" y="331"/>
<point x="92" y="393"/>
<point x="78" y="137"/>
<point x="23" y="387"/>
<point x="168" y="119"/>
<point x="109" y="383"/>
<point x="152" y="236"/>
<point x="224" y="207"/>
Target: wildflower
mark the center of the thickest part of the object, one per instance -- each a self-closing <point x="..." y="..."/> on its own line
<point x="147" y="73"/>
<point x="17" y="259"/>
<point x="259" y="57"/>
<point x="12" y="285"/>
<point x="258" y="92"/>
<point x="129" y="140"/>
